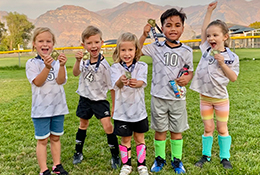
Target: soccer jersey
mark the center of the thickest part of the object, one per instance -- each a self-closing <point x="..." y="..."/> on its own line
<point x="49" y="99"/>
<point x="129" y="102"/>
<point x="94" y="82"/>
<point x="167" y="62"/>
<point x="209" y="79"/>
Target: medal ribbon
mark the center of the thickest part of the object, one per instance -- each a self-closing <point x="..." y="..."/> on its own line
<point x="97" y="64"/>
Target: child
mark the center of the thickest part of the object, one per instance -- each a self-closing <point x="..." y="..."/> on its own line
<point x="168" y="112"/>
<point x="49" y="106"/>
<point x="94" y="82"/>
<point x="129" y="78"/>
<point x="217" y="66"/>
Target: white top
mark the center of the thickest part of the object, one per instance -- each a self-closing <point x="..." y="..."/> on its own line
<point x="49" y="99"/>
<point x="167" y="62"/>
<point x="209" y="79"/>
<point x="94" y="85"/>
<point x="129" y="102"/>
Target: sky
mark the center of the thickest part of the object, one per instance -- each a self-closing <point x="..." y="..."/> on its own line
<point x="33" y="9"/>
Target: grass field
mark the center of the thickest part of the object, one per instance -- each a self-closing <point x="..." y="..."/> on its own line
<point x="17" y="150"/>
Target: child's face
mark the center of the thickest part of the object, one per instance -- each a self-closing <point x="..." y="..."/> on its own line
<point x="44" y="44"/>
<point x="93" y="45"/>
<point x="173" y="28"/>
<point x="127" y="52"/>
<point x="216" y="38"/>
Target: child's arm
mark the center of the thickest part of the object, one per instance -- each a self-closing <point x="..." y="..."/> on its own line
<point x="184" y="79"/>
<point x="134" y="83"/>
<point x="40" y="79"/>
<point x="206" y="21"/>
<point x="62" y="73"/>
<point x="142" y="39"/>
<point x="76" y="70"/>
<point x="112" y="92"/>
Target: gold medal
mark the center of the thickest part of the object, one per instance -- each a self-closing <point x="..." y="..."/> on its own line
<point x="128" y="74"/>
<point x="86" y="56"/>
<point x="152" y="22"/>
<point x="55" y="55"/>
<point x="214" y="52"/>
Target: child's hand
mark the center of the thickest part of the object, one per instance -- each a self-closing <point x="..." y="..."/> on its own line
<point x="124" y="80"/>
<point x="79" y="55"/>
<point x="63" y="59"/>
<point x="219" y="58"/>
<point x="132" y="82"/>
<point x="212" y="5"/>
<point x="47" y="61"/>
<point x="183" y="80"/>
<point x="147" y="29"/>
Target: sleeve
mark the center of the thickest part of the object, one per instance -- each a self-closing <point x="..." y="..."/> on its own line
<point x="142" y="73"/>
<point x="148" y="50"/>
<point x="204" y="47"/>
<point x="107" y="74"/>
<point x="31" y="70"/>
<point x="235" y="65"/>
<point x="115" y="75"/>
<point x="190" y="60"/>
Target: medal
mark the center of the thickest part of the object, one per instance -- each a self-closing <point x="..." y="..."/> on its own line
<point x="214" y="52"/>
<point x="152" y="22"/>
<point x="86" y="56"/>
<point x="55" y="55"/>
<point x="128" y="74"/>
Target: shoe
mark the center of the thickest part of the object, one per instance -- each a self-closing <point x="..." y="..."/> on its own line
<point x="58" y="169"/>
<point x="158" y="164"/>
<point x="178" y="166"/>
<point x="46" y="172"/>
<point x="142" y="170"/>
<point x="203" y="160"/>
<point x="77" y="158"/>
<point x="125" y="170"/>
<point x="115" y="162"/>
<point x="226" y="164"/>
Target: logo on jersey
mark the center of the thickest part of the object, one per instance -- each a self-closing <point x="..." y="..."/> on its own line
<point x="211" y="60"/>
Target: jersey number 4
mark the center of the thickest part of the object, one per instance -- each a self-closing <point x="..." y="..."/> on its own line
<point x="171" y="59"/>
<point x="90" y="76"/>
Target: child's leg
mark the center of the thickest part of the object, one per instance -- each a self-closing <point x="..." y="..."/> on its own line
<point x="176" y="145"/>
<point x="140" y="148"/>
<point x="55" y="149"/>
<point x="41" y="152"/>
<point x="81" y="135"/>
<point x="125" y="150"/>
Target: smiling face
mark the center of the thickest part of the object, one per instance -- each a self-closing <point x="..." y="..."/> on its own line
<point x="44" y="44"/>
<point x="93" y="45"/>
<point x="127" y="52"/>
<point x="172" y="28"/>
<point x="216" y="38"/>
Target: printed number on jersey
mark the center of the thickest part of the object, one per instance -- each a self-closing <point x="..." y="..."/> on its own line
<point x="90" y="76"/>
<point x="171" y="59"/>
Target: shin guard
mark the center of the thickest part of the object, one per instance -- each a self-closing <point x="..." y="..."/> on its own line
<point x="141" y="153"/>
<point x="124" y="154"/>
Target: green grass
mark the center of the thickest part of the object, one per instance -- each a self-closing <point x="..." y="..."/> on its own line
<point x="17" y="150"/>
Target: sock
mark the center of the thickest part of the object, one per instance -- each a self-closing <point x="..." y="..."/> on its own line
<point x="224" y="143"/>
<point x="113" y="144"/>
<point x="80" y="139"/>
<point x="176" y="149"/>
<point x="141" y="154"/>
<point x="207" y="142"/>
<point x="160" y="148"/>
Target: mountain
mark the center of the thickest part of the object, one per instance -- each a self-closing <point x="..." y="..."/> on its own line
<point x="68" y="21"/>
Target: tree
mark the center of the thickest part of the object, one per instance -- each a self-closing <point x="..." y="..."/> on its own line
<point x="255" y="25"/>
<point x="19" y="30"/>
<point x="2" y="37"/>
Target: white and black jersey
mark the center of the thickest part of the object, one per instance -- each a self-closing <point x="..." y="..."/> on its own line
<point x="49" y="99"/>
<point x="209" y="79"/>
<point x="167" y="62"/>
<point x="94" y="82"/>
<point x="129" y="102"/>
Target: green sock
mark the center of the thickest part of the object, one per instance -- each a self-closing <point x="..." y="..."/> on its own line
<point x="176" y="149"/>
<point x="160" y="148"/>
<point x="207" y="142"/>
<point x="224" y="143"/>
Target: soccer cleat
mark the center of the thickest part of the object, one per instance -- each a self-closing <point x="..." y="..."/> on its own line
<point x="115" y="162"/>
<point x="77" y="158"/>
<point x="226" y="164"/>
<point x="125" y="170"/>
<point x="203" y="160"/>
<point x="142" y="170"/>
<point x="178" y="166"/>
<point x="46" y="172"/>
<point x="158" y="164"/>
<point x="58" y="169"/>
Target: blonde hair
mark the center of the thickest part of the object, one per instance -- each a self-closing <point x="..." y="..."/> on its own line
<point x="90" y="31"/>
<point x="127" y="37"/>
<point x="40" y="30"/>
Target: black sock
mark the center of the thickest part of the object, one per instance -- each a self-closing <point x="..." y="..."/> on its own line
<point x="113" y="144"/>
<point x="80" y="139"/>
<point x="128" y="162"/>
<point x="144" y="164"/>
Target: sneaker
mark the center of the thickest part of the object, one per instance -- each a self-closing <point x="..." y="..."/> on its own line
<point x="115" y="162"/>
<point x="158" y="164"/>
<point x="203" y="160"/>
<point x="142" y="170"/>
<point x="58" y="169"/>
<point x="125" y="170"/>
<point x="46" y="172"/>
<point x="77" y="158"/>
<point x="226" y="164"/>
<point x="178" y="166"/>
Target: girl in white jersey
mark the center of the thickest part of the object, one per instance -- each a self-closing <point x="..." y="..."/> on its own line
<point x="129" y="78"/>
<point x="49" y="106"/>
<point x="216" y="68"/>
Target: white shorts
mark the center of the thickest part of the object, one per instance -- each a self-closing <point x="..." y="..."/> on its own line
<point x="168" y="115"/>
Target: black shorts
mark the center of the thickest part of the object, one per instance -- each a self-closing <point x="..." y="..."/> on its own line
<point x="86" y="108"/>
<point x="127" y="128"/>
